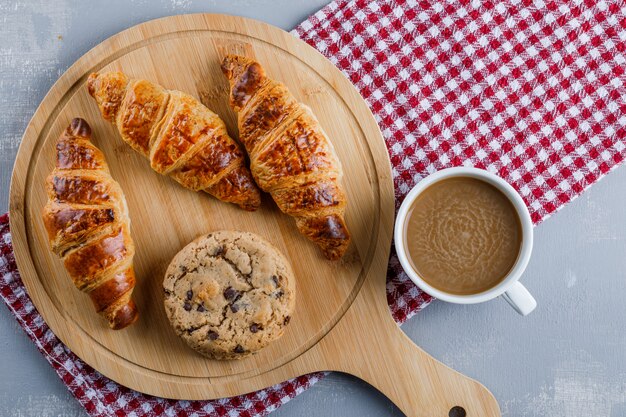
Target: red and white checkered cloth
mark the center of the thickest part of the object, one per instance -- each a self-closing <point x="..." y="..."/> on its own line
<point x="532" y="91"/>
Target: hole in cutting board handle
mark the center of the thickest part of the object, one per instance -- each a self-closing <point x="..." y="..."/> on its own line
<point x="457" y="411"/>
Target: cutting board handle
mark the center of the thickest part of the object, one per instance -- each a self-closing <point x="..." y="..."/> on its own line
<point x="382" y="355"/>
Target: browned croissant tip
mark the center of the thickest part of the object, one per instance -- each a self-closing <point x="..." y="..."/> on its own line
<point x="252" y="201"/>
<point x="334" y="249"/>
<point x="228" y="65"/>
<point x="91" y="83"/>
<point x="124" y="316"/>
<point x="226" y="68"/>
<point x="80" y="127"/>
<point x="330" y="233"/>
<point x="234" y="66"/>
<point x="109" y="291"/>
<point x="334" y="253"/>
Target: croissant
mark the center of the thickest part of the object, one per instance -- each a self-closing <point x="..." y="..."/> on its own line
<point x="86" y="218"/>
<point x="290" y="155"/>
<point x="180" y="136"/>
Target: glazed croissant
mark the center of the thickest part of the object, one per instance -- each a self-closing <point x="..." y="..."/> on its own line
<point x="290" y="155"/>
<point x="88" y="226"/>
<point x="180" y="136"/>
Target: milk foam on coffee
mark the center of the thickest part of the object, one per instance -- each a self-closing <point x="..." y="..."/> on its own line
<point x="463" y="235"/>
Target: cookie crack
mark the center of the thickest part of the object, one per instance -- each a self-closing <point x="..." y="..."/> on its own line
<point x="237" y="271"/>
<point x="246" y="277"/>
<point x="224" y="315"/>
<point x="172" y="292"/>
<point x="192" y="329"/>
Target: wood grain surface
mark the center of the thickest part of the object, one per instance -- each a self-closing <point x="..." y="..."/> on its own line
<point x="342" y="320"/>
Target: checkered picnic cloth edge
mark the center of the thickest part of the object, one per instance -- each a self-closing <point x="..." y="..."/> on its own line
<point x="531" y="91"/>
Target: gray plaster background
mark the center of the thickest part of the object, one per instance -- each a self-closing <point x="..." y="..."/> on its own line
<point x="566" y="359"/>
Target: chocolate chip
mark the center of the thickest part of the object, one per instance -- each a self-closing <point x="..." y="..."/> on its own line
<point x="201" y="308"/>
<point x="219" y="251"/>
<point x="239" y="349"/>
<point x="287" y="320"/>
<point x="189" y="295"/>
<point x="279" y="294"/>
<point x="254" y="328"/>
<point x="457" y="411"/>
<point x="230" y="293"/>
<point x="275" y="279"/>
<point x="234" y="308"/>
<point x="213" y="335"/>
<point x="187" y="306"/>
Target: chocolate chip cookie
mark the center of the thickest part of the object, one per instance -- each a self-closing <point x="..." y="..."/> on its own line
<point x="229" y="294"/>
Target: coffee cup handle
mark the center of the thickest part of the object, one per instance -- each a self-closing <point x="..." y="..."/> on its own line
<point x="520" y="299"/>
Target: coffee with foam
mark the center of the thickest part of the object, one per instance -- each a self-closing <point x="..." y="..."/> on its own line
<point x="463" y="235"/>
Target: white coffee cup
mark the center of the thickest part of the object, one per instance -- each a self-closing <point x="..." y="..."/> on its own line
<point x="509" y="288"/>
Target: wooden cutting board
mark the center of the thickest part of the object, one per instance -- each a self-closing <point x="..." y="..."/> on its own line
<point x="342" y="321"/>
